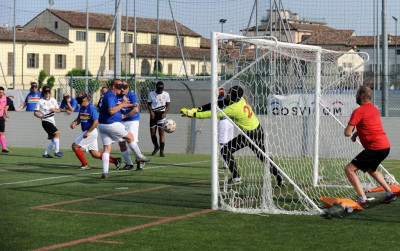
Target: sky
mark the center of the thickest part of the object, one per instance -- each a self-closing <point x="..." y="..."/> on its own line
<point x="203" y="16"/>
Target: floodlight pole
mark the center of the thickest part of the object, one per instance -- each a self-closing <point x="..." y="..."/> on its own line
<point x="385" y="84"/>
<point x="395" y="45"/>
<point x="222" y="21"/>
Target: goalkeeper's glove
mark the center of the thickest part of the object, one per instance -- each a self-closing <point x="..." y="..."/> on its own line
<point x="191" y="113"/>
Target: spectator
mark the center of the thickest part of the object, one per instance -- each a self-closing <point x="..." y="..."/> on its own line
<point x="103" y="91"/>
<point x="31" y="99"/>
<point x="158" y="104"/>
<point x="69" y="104"/>
<point x="10" y="104"/>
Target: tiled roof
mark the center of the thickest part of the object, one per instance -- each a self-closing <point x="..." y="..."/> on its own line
<point x="369" y="40"/>
<point x="35" y="34"/>
<point x="164" y="51"/>
<point x="335" y="37"/>
<point x="104" y="21"/>
<point x="296" y="27"/>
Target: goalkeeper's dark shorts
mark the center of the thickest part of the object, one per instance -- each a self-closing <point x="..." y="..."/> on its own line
<point x="369" y="160"/>
<point x="158" y="120"/>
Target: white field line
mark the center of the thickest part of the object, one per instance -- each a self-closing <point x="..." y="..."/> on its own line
<point x="88" y="174"/>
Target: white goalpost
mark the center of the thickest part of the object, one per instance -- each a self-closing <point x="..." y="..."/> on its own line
<point x="303" y="97"/>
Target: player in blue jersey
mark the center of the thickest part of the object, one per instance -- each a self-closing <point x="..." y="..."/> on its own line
<point x="130" y="119"/>
<point x="69" y="104"/>
<point x="88" y="118"/>
<point x="31" y="99"/>
<point x="111" y="128"/>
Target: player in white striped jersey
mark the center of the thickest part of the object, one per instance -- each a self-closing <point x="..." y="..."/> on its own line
<point x="158" y="105"/>
<point x="45" y="109"/>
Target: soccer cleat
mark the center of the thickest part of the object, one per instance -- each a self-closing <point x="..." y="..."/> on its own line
<point x="47" y="156"/>
<point x="143" y="159"/>
<point x="117" y="163"/>
<point x="364" y="204"/>
<point x="83" y="167"/>
<point x="156" y="149"/>
<point x="235" y="181"/>
<point x="140" y="166"/>
<point x="59" y="154"/>
<point x="5" y="150"/>
<point x="104" y="176"/>
<point x="162" y="154"/>
<point x="127" y="167"/>
<point x="389" y="198"/>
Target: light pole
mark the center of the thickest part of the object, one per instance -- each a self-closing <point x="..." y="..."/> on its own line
<point x="395" y="46"/>
<point x="222" y="21"/>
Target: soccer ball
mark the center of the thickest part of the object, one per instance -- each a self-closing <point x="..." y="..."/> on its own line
<point x="169" y="126"/>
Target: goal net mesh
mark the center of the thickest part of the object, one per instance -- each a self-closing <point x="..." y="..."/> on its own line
<point x="287" y="85"/>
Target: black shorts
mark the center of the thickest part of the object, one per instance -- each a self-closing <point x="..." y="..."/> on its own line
<point x="157" y="119"/>
<point x="50" y="128"/>
<point x="2" y="124"/>
<point x="370" y="159"/>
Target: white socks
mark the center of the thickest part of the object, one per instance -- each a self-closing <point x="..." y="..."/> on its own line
<point x="127" y="157"/>
<point x="57" y="145"/>
<point x="49" y="147"/>
<point x="135" y="150"/>
<point x="105" y="159"/>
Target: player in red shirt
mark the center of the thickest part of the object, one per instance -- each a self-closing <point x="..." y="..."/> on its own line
<point x="367" y="121"/>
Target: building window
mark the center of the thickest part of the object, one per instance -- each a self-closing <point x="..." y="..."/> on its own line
<point x="223" y="69"/>
<point x="56" y="25"/>
<point x="397" y="52"/>
<point x="33" y="60"/>
<point x="61" y="61"/>
<point x="192" y="69"/>
<point x="204" y="68"/>
<point x="153" y="39"/>
<point x="182" y="41"/>
<point x="127" y="38"/>
<point x="79" y="62"/>
<point x="80" y="36"/>
<point x="170" y="69"/>
<point x="100" y="37"/>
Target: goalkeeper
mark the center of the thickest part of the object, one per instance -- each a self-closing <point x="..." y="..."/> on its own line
<point x="241" y="113"/>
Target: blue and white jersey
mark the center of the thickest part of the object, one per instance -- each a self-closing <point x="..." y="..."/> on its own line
<point x="73" y="103"/>
<point x="132" y="99"/>
<point x="87" y="115"/>
<point x="109" y="100"/>
<point x="31" y="100"/>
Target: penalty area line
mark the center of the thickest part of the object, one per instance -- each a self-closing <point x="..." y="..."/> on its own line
<point x="97" y="173"/>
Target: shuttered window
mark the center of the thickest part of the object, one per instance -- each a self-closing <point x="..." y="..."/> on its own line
<point x="60" y="61"/>
<point x="78" y="62"/>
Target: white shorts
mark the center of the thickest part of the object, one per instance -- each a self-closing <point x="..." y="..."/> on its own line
<point x="110" y="133"/>
<point x="89" y="143"/>
<point x="133" y="127"/>
<point x="225" y="131"/>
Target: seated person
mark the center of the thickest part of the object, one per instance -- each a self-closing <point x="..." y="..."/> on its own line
<point x="69" y="104"/>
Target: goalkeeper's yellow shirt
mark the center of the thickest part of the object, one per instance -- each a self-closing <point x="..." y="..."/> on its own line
<point x="240" y="112"/>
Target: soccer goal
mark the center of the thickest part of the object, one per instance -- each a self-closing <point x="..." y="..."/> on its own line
<point x="303" y="97"/>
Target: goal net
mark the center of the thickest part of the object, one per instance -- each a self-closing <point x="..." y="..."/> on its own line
<point x="303" y="97"/>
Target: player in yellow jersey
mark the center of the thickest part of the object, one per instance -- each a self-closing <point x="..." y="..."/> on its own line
<point x="242" y="114"/>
